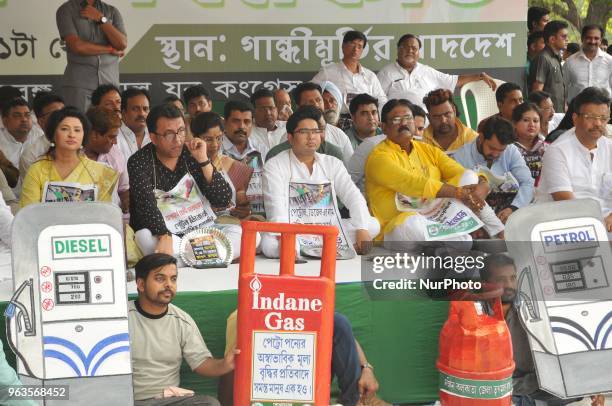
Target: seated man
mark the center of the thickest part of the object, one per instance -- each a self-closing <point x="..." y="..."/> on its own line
<point x="101" y="146"/>
<point x="282" y="100"/>
<point x="420" y="119"/>
<point x="198" y="100"/>
<point x="44" y="104"/>
<point x="500" y="269"/>
<point x="508" y="95"/>
<point x="326" y="148"/>
<point x="332" y="101"/>
<point x="406" y="78"/>
<point x="494" y="152"/>
<point x="268" y="130"/>
<point x="400" y="166"/>
<point x="161" y="335"/>
<point x="364" y="118"/>
<point x="301" y="166"/>
<point x="310" y="94"/>
<point x="445" y="130"/>
<point x="349" y="75"/>
<point x="355" y="375"/>
<point x="133" y="134"/>
<point x="550" y="119"/>
<point x="169" y="176"/>
<point x="579" y="163"/>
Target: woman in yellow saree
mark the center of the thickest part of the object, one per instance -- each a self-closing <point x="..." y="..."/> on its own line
<point x="64" y="173"/>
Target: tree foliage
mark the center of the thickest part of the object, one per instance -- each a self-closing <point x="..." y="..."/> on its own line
<point x="579" y="13"/>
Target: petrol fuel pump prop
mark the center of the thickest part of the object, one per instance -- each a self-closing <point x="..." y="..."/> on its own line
<point x="285" y="323"/>
<point x="564" y="264"/>
<point x="67" y="320"/>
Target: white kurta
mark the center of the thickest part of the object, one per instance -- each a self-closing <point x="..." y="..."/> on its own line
<point x="581" y="72"/>
<point x="398" y="83"/>
<point x="352" y="84"/>
<point x="127" y="141"/>
<point x="567" y="167"/>
<point x="269" y="139"/>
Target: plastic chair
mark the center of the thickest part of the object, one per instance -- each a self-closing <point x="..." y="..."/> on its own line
<point x="486" y="105"/>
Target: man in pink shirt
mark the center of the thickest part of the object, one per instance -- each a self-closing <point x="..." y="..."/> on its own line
<point x="101" y="146"/>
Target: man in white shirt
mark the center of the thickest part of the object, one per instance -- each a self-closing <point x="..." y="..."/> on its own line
<point x="579" y="163"/>
<point x="44" y="105"/>
<point x="18" y="129"/>
<point x="268" y="130"/>
<point x="309" y="94"/>
<point x="350" y="77"/>
<point x="6" y="219"/>
<point x="237" y="141"/>
<point x="407" y="79"/>
<point x="133" y="134"/>
<point x="589" y="67"/>
<point x="302" y="163"/>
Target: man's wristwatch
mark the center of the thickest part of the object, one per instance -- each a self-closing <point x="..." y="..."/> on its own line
<point x="203" y="164"/>
<point x="103" y="20"/>
<point x="367" y="365"/>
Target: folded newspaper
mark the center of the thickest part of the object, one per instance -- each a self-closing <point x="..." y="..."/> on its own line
<point x="506" y="183"/>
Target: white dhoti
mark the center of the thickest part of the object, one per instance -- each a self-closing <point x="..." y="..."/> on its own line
<point x="411" y="234"/>
<point x="270" y="243"/>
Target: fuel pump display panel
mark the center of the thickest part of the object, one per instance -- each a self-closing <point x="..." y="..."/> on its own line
<point x="72" y="287"/>
<point x="579" y="274"/>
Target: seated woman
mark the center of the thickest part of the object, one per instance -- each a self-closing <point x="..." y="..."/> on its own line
<point x="64" y="173"/>
<point x="209" y="127"/>
<point x="526" y="118"/>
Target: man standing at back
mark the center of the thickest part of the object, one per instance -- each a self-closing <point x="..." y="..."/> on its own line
<point x="590" y="66"/>
<point x="349" y="75"/>
<point x="545" y="71"/>
<point x="95" y="40"/>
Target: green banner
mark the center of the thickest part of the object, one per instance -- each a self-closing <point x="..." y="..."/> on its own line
<point x="475" y="389"/>
<point x="186" y="48"/>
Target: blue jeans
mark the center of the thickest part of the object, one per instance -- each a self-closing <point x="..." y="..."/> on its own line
<point x="345" y="361"/>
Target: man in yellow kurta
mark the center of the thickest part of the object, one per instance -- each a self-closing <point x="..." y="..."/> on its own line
<point x="445" y="130"/>
<point x="417" y="170"/>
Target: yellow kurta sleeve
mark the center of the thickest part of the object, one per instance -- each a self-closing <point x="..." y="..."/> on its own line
<point x="33" y="183"/>
<point x="107" y="181"/>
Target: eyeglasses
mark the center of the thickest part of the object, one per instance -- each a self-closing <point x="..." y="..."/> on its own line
<point x="174" y="135"/>
<point x="448" y="115"/>
<point x="309" y="131"/>
<point x="399" y="120"/>
<point x="591" y="118"/>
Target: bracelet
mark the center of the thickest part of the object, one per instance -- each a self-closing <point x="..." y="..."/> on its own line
<point x="203" y="164"/>
<point x="367" y="365"/>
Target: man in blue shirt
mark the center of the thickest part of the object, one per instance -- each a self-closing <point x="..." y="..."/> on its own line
<point x="494" y="149"/>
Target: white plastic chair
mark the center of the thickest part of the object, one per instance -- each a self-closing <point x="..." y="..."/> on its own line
<point x="485" y="100"/>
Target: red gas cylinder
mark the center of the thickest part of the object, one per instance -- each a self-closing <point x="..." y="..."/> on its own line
<point x="475" y="356"/>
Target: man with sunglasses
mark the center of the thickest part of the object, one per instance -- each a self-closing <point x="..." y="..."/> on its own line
<point x="167" y="176"/>
<point x="579" y="163"/>
<point x="399" y="168"/>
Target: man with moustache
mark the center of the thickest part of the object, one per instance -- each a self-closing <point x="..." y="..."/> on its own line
<point x="108" y="97"/>
<point x="268" y="129"/>
<point x="162" y="335"/>
<point x="589" y="67"/>
<point x="406" y="78"/>
<point x="332" y="101"/>
<point x="500" y="270"/>
<point x="579" y="163"/>
<point x="133" y="134"/>
<point x="399" y="165"/>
